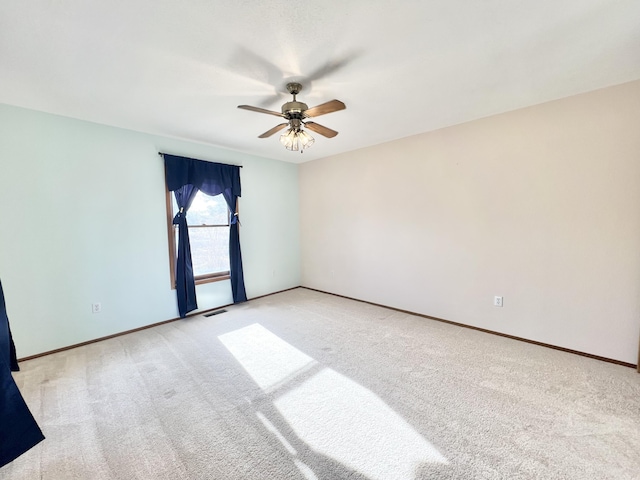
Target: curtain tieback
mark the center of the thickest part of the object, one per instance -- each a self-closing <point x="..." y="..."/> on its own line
<point x="179" y="215"/>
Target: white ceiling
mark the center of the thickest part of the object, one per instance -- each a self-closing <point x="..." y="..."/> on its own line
<point x="180" y="68"/>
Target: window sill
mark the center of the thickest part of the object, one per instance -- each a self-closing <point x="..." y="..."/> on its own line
<point x="211" y="279"/>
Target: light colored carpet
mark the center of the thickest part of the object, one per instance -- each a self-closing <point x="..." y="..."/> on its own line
<point x="303" y="385"/>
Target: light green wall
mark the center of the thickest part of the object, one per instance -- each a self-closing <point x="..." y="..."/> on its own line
<point x="84" y="221"/>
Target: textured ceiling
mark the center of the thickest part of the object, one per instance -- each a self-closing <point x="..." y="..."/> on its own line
<point x="180" y="69"/>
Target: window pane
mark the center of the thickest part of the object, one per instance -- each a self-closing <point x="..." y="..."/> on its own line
<point x="209" y="249"/>
<point x="205" y="210"/>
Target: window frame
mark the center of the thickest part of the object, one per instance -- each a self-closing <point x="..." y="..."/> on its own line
<point x="199" y="279"/>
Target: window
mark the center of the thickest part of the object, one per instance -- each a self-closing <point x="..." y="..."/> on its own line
<point x="208" y="222"/>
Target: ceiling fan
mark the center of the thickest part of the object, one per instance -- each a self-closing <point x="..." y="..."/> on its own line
<point x="295" y="138"/>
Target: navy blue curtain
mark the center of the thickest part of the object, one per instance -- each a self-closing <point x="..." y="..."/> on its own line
<point x="18" y="429"/>
<point x="212" y="179"/>
<point x="185" y="283"/>
<point x="235" y="258"/>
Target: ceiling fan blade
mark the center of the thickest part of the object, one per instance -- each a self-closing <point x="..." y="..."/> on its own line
<point x="275" y="129"/>
<point x="322" y="130"/>
<point x="331" y="67"/>
<point x="332" y="106"/>
<point x="260" y="110"/>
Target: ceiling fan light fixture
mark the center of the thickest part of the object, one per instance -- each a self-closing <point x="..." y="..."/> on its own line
<point x="295" y="139"/>
<point x="288" y="139"/>
<point x="306" y="139"/>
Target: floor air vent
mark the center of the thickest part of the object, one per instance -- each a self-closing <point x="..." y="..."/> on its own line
<point x="217" y="312"/>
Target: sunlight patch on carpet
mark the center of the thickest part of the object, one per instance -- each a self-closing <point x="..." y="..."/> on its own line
<point x="266" y="357"/>
<point x="331" y="413"/>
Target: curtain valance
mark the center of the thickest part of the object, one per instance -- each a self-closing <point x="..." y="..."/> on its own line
<point x="208" y="177"/>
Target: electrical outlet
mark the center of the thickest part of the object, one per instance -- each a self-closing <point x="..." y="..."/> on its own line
<point x="96" y="307"/>
<point x="497" y="301"/>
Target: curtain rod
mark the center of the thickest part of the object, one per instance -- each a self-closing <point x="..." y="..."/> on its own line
<point x="162" y="153"/>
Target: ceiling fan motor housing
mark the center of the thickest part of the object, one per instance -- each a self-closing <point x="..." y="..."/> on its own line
<point x="294" y="109"/>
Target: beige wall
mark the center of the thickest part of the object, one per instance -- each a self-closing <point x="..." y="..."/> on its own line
<point x="540" y="205"/>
